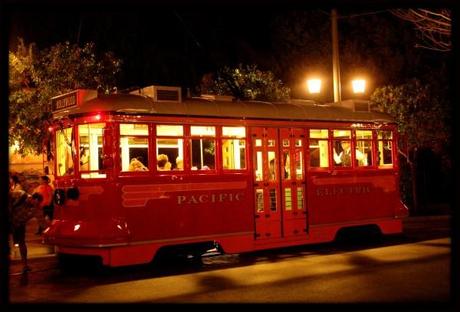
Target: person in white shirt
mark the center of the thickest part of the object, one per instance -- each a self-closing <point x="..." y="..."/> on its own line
<point x="344" y="157"/>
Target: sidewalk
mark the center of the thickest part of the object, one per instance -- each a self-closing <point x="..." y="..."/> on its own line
<point x="35" y="247"/>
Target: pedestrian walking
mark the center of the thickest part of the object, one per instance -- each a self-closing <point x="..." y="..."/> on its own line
<point x="45" y="213"/>
<point x="22" y="207"/>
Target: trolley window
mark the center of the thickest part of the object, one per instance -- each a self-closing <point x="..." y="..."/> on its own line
<point x="64" y="155"/>
<point x="385" y="148"/>
<point x="170" y="147"/>
<point x="319" y="152"/>
<point x="90" y="150"/>
<point x="364" y="147"/>
<point x="203" y="147"/>
<point x="134" y="147"/>
<point x="234" y="148"/>
<point x="342" y="148"/>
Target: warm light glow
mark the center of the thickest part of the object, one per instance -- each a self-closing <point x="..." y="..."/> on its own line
<point x="76" y="227"/>
<point x="50" y="129"/>
<point x="98" y="117"/>
<point x="359" y="85"/>
<point x="314" y="85"/>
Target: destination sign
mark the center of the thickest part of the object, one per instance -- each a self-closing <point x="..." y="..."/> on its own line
<point x="66" y="101"/>
<point x="72" y="99"/>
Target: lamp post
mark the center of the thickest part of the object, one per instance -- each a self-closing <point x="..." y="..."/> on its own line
<point x="314" y="83"/>
<point x="335" y="57"/>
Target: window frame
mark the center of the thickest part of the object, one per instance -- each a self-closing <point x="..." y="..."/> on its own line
<point x="372" y="148"/>
<point x="155" y="137"/>
<point x="217" y="146"/>
<point x="72" y="127"/>
<point x="100" y="171"/>
<point x="393" y="146"/>
<point x="117" y="132"/>
<point x="220" y="153"/>
<point x="307" y="148"/>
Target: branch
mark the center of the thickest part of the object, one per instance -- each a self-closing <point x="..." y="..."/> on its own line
<point x="435" y="26"/>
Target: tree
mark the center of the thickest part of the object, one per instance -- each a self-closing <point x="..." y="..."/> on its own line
<point x="246" y="83"/>
<point x="423" y="117"/>
<point x="36" y="76"/>
<point x="421" y="114"/>
<point x="24" y="109"/>
<point x="434" y="27"/>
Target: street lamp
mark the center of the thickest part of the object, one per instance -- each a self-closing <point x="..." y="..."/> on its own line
<point x="359" y="86"/>
<point x="314" y="85"/>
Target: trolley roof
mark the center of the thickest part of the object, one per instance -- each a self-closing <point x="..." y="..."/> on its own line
<point x="199" y="107"/>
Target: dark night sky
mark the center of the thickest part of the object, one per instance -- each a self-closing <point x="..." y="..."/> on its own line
<point x="177" y="34"/>
<point x="176" y="45"/>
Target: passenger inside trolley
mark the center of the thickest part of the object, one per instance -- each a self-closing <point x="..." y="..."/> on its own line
<point x="344" y="157"/>
<point x="163" y="163"/>
<point x="137" y="165"/>
<point x="179" y="163"/>
<point x="84" y="159"/>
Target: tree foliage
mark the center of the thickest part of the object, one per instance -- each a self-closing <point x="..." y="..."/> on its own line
<point x="423" y="115"/>
<point x="36" y="76"/>
<point x="247" y="83"/>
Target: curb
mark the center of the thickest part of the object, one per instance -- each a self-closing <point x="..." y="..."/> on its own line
<point x="425" y="218"/>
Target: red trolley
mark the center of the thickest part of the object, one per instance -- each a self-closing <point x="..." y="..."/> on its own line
<point x="136" y="173"/>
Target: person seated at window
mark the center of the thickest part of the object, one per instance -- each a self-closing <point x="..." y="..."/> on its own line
<point x="84" y="159"/>
<point x="137" y="165"/>
<point x="163" y="163"/>
<point x="344" y="157"/>
<point x="179" y="163"/>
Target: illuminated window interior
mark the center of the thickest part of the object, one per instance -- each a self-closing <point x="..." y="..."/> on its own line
<point x="233" y="148"/>
<point x="341" y="148"/>
<point x="90" y="150"/>
<point x="259" y="166"/>
<point x="203" y="131"/>
<point x="364" y="147"/>
<point x="64" y="158"/>
<point x="299" y="164"/>
<point x="319" y="152"/>
<point x="234" y="132"/>
<point x="202" y="150"/>
<point x="170" y="130"/>
<point x="134" y="147"/>
<point x="170" y="147"/>
<point x="384" y="147"/>
<point x="287" y="199"/>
